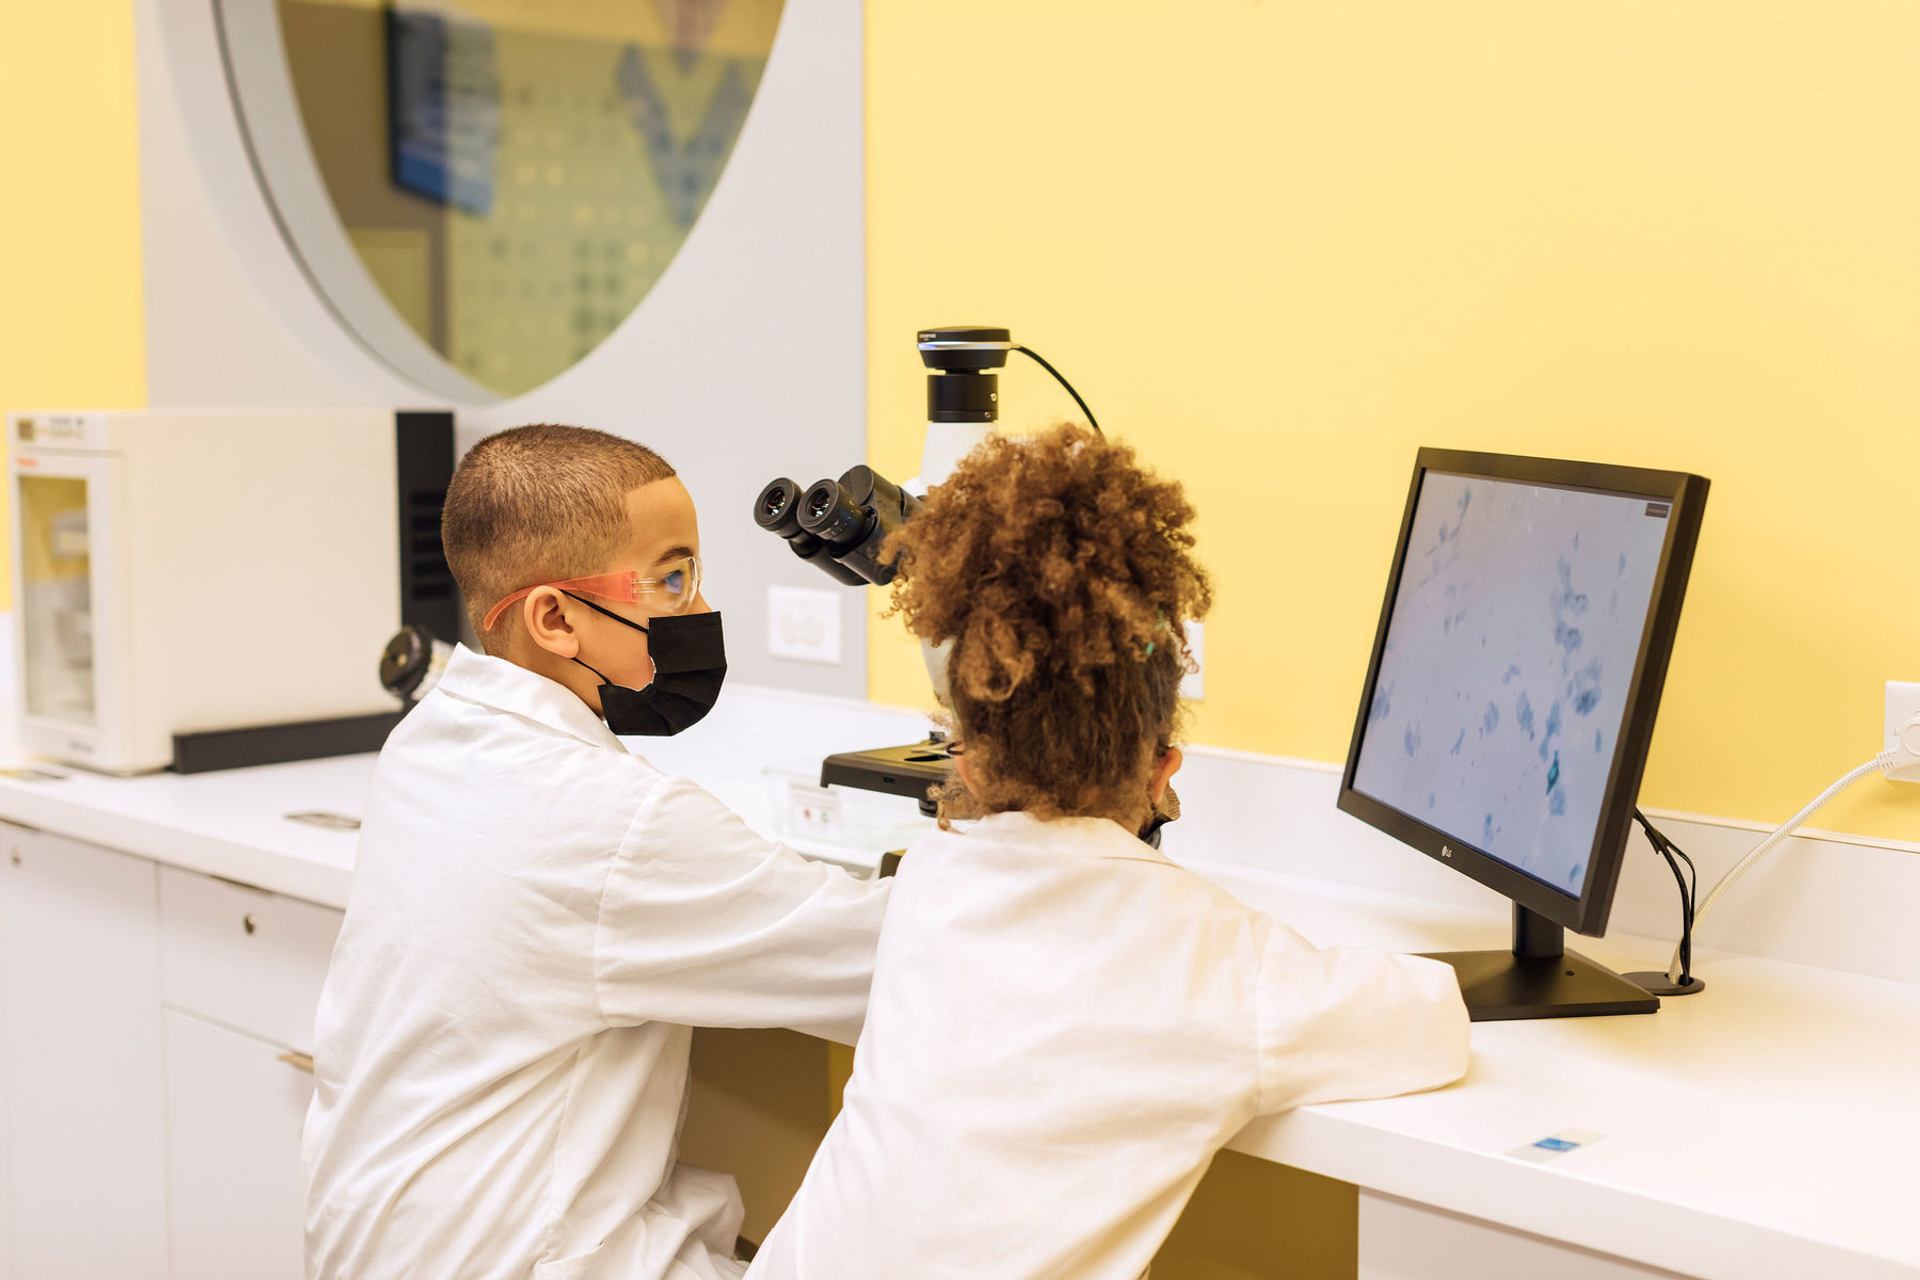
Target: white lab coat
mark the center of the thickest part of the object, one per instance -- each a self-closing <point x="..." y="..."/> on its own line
<point x="537" y="919"/>
<point x="1064" y="1027"/>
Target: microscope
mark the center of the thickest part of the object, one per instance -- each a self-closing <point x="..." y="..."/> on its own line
<point x="842" y="526"/>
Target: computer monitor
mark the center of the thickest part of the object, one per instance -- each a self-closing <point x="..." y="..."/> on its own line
<point x="1517" y="667"/>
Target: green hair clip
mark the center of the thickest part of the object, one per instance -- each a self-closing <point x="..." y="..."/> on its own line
<point x="1151" y="645"/>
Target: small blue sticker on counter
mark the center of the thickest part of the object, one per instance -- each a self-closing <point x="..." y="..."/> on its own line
<point x="1555" y="1145"/>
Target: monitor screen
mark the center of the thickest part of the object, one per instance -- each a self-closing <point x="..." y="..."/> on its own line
<point x="1503" y="681"/>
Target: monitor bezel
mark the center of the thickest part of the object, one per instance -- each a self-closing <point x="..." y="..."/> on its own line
<point x="1587" y="913"/>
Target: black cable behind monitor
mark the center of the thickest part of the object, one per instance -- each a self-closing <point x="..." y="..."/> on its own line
<point x="1654" y="980"/>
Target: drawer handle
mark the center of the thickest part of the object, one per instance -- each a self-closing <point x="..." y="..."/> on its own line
<point x="246" y="922"/>
<point x="298" y="1061"/>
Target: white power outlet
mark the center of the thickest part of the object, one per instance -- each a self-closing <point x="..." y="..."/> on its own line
<point x="803" y="625"/>
<point x="1194" y="686"/>
<point x="1903" y="707"/>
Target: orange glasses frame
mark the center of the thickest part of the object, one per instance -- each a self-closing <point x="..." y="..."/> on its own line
<point x="624" y="587"/>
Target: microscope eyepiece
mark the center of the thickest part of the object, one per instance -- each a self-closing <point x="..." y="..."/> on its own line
<point x="777" y="510"/>
<point x="773" y="509"/>
<point x="774" y="500"/>
<point x="831" y="514"/>
<point x="841" y="525"/>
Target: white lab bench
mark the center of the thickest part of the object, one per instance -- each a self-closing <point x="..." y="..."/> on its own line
<point x="165" y="939"/>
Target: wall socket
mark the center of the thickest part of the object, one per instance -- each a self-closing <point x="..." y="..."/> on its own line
<point x="1194" y="686"/>
<point x="803" y="625"/>
<point x="1903" y="704"/>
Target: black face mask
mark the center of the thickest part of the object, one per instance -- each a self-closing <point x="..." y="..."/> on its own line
<point x="689" y="663"/>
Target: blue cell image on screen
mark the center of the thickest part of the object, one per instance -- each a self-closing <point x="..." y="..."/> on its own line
<point x="1502" y="686"/>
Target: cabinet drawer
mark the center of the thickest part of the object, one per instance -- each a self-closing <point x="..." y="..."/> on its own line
<point x="248" y="959"/>
<point x="234" y="1111"/>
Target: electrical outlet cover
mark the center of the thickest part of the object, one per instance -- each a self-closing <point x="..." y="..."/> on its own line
<point x="1903" y="708"/>
<point x="1194" y="686"/>
<point x="803" y="625"/>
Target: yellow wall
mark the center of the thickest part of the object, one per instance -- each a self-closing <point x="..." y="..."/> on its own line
<point x="1281" y="245"/>
<point x="72" y="333"/>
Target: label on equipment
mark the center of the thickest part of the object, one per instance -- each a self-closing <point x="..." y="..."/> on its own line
<point x="67" y="430"/>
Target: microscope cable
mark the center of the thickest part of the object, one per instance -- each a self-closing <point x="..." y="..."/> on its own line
<point x="1035" y="356"/>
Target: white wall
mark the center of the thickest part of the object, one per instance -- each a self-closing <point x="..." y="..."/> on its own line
<point x="746" y="360"/>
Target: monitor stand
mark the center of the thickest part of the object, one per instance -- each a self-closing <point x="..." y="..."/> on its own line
<point x="1540" y="978"/>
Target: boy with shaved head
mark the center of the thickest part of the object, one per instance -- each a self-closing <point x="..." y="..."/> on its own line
<point x="538" y="916"/>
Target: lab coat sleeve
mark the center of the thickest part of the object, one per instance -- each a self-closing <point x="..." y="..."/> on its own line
<point x="704" y="923"/>
<point x="1352" y="1022"/>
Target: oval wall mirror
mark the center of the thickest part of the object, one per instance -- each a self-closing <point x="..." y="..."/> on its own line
<point x="483" y="190"/>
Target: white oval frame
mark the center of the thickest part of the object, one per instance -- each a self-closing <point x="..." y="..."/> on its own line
<point x="260" y="82"/>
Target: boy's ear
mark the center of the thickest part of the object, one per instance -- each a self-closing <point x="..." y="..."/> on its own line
<point x="545" y="613"/>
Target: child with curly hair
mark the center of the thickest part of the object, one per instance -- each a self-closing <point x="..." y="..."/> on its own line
<point x="1064" y="1025"/>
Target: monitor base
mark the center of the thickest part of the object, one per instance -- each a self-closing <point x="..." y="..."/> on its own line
<point x="1539" y="978"/>
<point x="1499" y="986"/>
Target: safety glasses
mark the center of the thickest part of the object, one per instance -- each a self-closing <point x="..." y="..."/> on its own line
<point x="674" y="591"/>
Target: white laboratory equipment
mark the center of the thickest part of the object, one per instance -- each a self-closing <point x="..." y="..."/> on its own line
<point x="200" y="588"/>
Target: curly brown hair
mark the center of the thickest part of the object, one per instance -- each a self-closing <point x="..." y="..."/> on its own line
<point x="1062" y="571"/>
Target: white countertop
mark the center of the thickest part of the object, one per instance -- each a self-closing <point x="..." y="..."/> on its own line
<point x="231" y="824"/>
<point x="1762" y="1129"/>
<point x="235" y="823"/>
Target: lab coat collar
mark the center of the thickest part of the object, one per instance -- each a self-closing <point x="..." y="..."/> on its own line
<point x="1089" y="837"/>
<point x="494" y="682"/>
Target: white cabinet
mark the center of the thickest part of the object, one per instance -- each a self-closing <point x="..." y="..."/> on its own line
<point x="154" y="1027"/>
<point x="240" y="974"/>
<point x="1402" y="1241"/>
<point x="234" y="1110"/>
<point x="85" y="1154"/>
